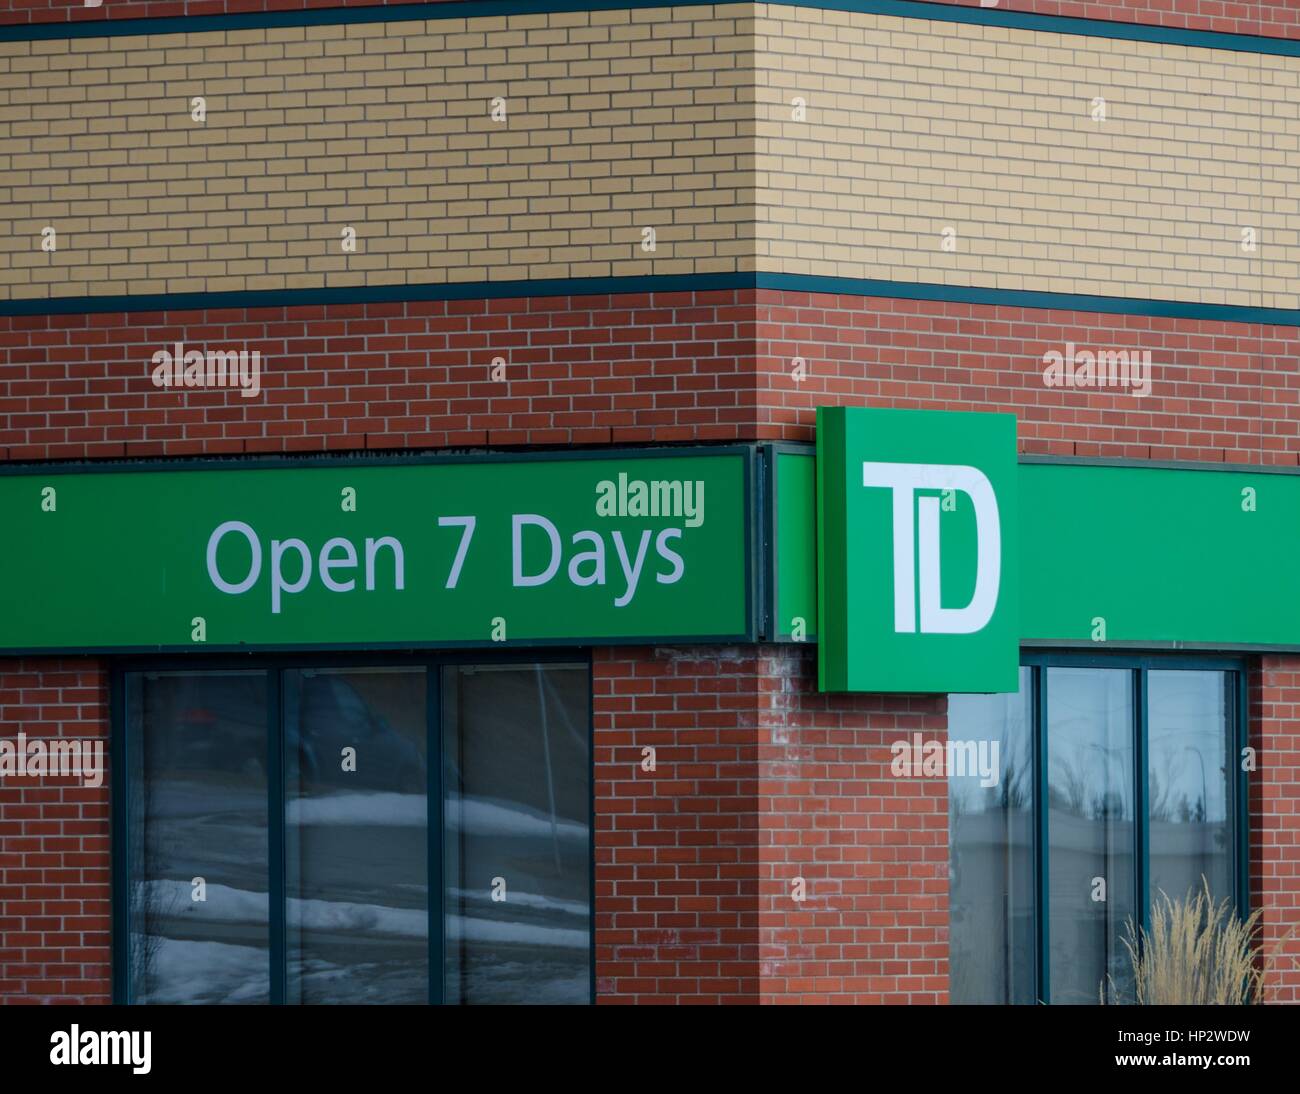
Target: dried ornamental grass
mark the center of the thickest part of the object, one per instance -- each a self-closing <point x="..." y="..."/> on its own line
<point x="1196" y="953"/>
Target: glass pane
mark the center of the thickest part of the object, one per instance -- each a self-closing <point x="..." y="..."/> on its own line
<point x="517" y="773"/>
<point x="991" y="854"/>
<point x="356" y="847"/>
<point x="1189" y="782"/>
<point x="1090" y="765"/>
<point x="197" y="745"/>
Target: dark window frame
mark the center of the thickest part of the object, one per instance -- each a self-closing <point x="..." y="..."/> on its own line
<point x="275" y="665"/>
<point x="1138" y="665"/>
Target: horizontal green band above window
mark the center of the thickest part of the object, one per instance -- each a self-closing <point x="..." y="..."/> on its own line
<point x="634" y="546"/>
<point x="574" y="548"/>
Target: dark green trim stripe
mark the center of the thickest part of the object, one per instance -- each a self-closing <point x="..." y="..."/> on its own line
<point x="320" y="17"/>
<point x="1162" y="465"/>
<point x="381" y="294"/>
<point x="1021" y="298"/>
<point x="469" y="9"/>
<point x="678" y="283"/>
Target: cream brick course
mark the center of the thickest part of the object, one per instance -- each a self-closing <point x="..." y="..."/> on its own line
<point x="677" y="118"/>
<point x="932" y="124"/>
<point x="382" y="126"/>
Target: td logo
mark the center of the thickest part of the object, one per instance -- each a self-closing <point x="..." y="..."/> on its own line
<point x="917" y="535"/>
<point x="905" y="480"/>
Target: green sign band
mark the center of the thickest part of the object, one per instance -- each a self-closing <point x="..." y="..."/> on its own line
<point x="1106" y="555"/>
<point x="1139" y="555"/>
<point x="657" y="546"/>
<point x="633" y="546"/>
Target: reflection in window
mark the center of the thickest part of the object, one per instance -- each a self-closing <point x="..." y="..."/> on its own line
<point x="991" y="855"/>
<point x="357" y="835"/>
<point x="1090" y="831"/>
<point x="197" y="747"/>
<point x="1189" y="788"/>
<point x="355" y="890"/>
<point x="517" y="845"/>
<point x="1099" y="810"/>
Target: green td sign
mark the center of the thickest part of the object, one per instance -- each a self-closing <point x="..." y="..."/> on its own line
<point x="917" y="538"/>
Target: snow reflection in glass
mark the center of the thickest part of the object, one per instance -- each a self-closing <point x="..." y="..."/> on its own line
<point x="517" y="855"/>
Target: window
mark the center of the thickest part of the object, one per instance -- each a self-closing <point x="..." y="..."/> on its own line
<point x="1117" y="781"/>
<point x="275" y="842"/>
<point x="516" y="840"/>
<point x="197" y="852"/>
<point x="357" y="835"/>
<point x="992" y="867"/>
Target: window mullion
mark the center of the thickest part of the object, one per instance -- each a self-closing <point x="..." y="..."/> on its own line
<point x="1141" y="810"/>
<point x="275" y="826"/>
<point x="119" y="759"/>
<point x="1041" y="918"/>
<point x="434" y="794"/>
<point x="1240" y="786"/>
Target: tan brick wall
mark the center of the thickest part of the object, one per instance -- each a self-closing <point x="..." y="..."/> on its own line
<point x="916" y="125"/>
<point x="677" y="119"/>
<point x="616" y="121"/>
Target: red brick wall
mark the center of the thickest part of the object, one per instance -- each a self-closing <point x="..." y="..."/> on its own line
<point x="1272" y="17"/>
<point x="759" y="781"/>
<point x="872" y="849"/>
<point x="632" y="369"/>
<point x="677" y="889"/>
<point x="55" y="923"/>
<point x="60" y="11"/>
<point x="588" y="370"/>
<point x="1220" y="391"/>
<point x="1275" y="817"/>
<point x="1277" y="18"/>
